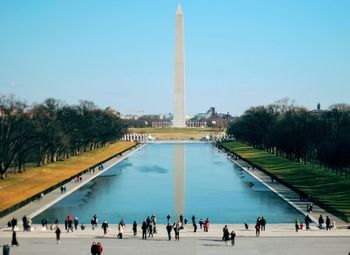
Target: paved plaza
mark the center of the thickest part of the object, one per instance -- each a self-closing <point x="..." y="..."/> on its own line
<point x="130" y="246"/>
<point x="277" y="239"/>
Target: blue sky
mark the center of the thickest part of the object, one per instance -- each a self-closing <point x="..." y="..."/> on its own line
<point x="238" y="53"/>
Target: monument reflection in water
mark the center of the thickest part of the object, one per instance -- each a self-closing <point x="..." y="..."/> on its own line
<point x="179" y="178"/>
<point x="174" y="178"/>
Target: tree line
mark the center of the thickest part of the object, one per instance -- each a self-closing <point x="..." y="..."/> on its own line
<point x="51" y="131"/>
<point x="318" y="136"/>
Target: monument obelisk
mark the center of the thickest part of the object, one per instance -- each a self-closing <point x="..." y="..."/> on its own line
<point x="179" y="81"/>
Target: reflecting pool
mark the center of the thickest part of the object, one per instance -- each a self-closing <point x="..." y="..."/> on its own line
<point x="174" y="178"/>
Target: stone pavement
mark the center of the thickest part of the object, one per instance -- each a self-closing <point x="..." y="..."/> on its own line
<point x="186" y="246"/>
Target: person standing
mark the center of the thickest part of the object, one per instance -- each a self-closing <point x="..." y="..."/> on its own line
<point x="121" y="230"/>
<point x="168" y="218"/>
<point x="58" y="235"/>
<point x="193" y="219"/>
<point x="206" y="225"/>
<point x="70" y="223"/>
<point x="76" y="223"/>
<point x="263" y="224"/>
<point x="144" y="230"/>
<point x="6" y="249"/>
<point x="181" y="219"/>
<point x="320" y="222"/>
<point x="93" y="249"/>
<point x="105" y="227"/>
<point x="134" y="228"/>
<point x="99" y="248"/>
<point x="233" y="237"/>
<point x="257" y="230"/>
<point x="328" y="223"/>
<point x="200" y="223"/>
<point x="168" y="229"/>
<point x="14" y="239"/>
<point x="154" y="221"/>
<point x="194" y="227"/>
<point x="13" y="223"/>
<point x="297" y="224"/>
<point x="25" y="223"/>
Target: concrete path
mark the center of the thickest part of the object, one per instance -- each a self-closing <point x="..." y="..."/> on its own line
<point x="186" y="246"/>
<point x="289" y="195"/>
<point x="34" y="208"/>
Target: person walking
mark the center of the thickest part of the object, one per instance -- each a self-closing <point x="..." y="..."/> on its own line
<point x="150" y="230"/>
<point x="134" y="228"/>
<point x="14" y="239"/>
<point x="168" y="218"/>
<point x="307" y="222"/>
<point x="144" y="229"/>
<point x="233" y="237"/>
<point x="226" y="236"/>
<point x="105" y="227"/>
<point x="168" y="229"/>
<point x="223" y="233"/>
<point x="58" y="235"/>
<point x="177" y="231"/>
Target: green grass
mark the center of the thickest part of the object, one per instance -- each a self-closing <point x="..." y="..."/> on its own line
<point x="325" y="187"/>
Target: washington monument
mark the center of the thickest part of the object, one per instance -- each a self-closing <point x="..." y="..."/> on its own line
<point x="179" y="80"/>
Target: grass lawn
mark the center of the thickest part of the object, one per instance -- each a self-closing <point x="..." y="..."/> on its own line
<point x="175" y="133"/>
<point x="18" y="187"/>
<point x="328" y="188"/>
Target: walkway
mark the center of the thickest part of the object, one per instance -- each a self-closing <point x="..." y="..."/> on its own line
<point x="190" y="243"/>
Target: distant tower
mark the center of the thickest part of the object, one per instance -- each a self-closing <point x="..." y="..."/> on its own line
<point x="179" y="81"/>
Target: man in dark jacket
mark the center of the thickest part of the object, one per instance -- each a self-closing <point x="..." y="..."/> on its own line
<point x="144" y="230"/>
<point x="168" y="229"/>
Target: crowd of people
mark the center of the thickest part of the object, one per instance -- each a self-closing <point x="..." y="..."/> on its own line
<point x="149" y="227"/>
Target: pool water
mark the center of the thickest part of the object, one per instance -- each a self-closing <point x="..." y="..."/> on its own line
<point x="174" y="178"/>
